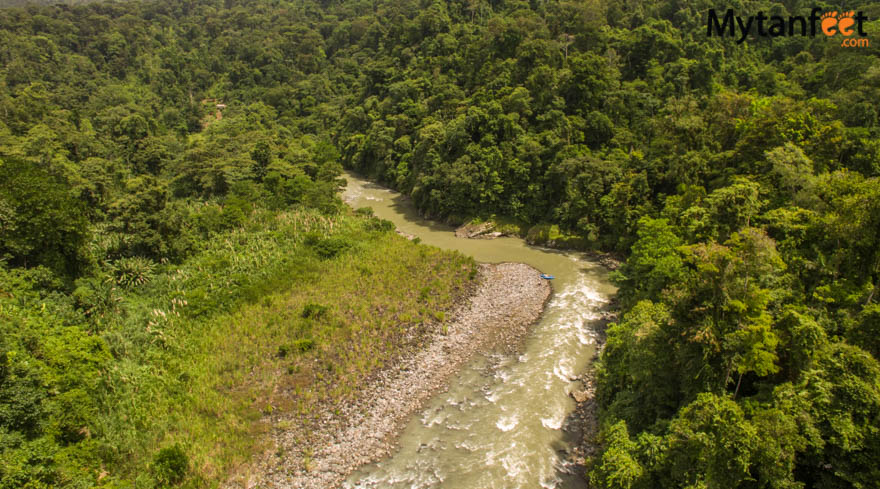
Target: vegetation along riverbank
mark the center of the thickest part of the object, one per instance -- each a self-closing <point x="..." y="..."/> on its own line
<point x="170" y="373"/>
<point x="504" y="300"/>
<point x="176" y="267"/>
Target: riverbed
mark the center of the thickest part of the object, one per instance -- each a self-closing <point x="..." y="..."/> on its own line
<point x="504" y="421"/>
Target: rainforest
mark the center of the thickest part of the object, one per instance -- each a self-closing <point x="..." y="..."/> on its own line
<point x="180" y="279"/>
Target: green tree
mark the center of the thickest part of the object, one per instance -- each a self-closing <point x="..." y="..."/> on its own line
<point x="655" y="261"/>
<point x="618" y="467"/>
<point x="42" y="223"/>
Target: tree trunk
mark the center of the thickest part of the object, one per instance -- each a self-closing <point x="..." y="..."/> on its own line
<point x="727" y="374"/>
<point x="873" y="292"/>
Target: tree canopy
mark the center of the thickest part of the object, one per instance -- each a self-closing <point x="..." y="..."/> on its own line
<point x="741" y="180"/>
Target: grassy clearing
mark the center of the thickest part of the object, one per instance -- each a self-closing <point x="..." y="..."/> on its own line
<point x="294" y="303"/>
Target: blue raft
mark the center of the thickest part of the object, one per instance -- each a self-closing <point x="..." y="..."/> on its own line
<point x="547" y="277"/>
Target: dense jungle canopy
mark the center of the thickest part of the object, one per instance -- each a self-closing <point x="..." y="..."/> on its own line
<point x="165" y="151"/>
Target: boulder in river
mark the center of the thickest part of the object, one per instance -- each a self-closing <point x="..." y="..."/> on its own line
<point x="483" y="230"/>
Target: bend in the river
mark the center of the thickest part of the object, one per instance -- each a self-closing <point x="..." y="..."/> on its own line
<point x="502" y="423"/>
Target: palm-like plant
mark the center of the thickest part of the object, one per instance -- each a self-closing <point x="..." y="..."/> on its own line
<point x="133" y="271"/>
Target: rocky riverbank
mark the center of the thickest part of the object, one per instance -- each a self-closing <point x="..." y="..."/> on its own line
<point x="509" y="298"/>
<point x="584" y="421"/>
<point x="491" y="230"/>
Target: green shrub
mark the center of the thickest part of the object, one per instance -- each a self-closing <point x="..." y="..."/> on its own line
<point x="331" y="247"/>
<point x="22" y="395"/>
<point x="235" y="212"/>
<point x="286" y="191"/>
<point x="97" y="298"/>
<point x="551" y="235"/>
<point x="130" y="272"/>
<point x="72" y="416"/>
<point x="542" y="233"/>
<point x="382" y="225"/>
<point x="209" y="219"/>
<point x="303" y="345"/>
<point x="170" y="465"/>
<point x="31" y="464"/>
<point x="314" y="311"/>
<point x="424" y="293"/>
<point x="311" y="238"/>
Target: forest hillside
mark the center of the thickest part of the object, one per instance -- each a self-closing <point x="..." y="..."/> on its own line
<point x="171" y="169"/>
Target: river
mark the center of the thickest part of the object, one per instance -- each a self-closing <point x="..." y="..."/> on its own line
<point x="502" y="423"/>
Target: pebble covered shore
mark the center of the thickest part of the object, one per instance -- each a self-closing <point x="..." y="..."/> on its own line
<point x="510" y="297"/>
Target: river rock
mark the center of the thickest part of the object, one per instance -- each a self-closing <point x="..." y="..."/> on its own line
<point x="507" y="299"/>
<point x="472" y="231"/>
<point x="406" y="235"/>
<point x="581" y="396"/>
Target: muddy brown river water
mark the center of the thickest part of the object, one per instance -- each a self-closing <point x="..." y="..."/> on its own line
<point x="504" y="421"/>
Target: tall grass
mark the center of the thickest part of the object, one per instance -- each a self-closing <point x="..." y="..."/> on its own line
<point x="206" y="350"/>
